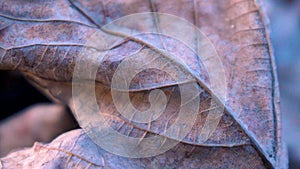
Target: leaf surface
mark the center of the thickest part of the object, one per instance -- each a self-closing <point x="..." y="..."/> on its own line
<point x="45" y="40"/>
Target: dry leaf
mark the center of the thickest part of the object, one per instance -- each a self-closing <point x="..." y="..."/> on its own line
<point x="75" y="149"/>
<point x="44" y="40"/>
<point x="31" y="125"/>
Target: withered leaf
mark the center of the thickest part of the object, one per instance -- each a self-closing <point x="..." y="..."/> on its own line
<point x="75" y="149"/>
<point x="44" y="40"/>
<point x="31" y="125"/>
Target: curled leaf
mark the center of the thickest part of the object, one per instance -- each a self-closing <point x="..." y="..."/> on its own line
<point x="46" y="46"/>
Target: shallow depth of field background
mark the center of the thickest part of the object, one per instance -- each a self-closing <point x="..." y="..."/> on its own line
<point x="285" y="33"/>
<point x="16" y="94"/>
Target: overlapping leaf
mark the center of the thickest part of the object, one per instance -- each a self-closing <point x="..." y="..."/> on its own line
<point x="44" y="40"/>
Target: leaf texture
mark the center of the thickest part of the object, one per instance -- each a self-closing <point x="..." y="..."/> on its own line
<point x="45" y="40"/>
<point x="75" y="149"/>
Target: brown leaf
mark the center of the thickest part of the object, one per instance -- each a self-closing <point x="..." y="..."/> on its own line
<point x="45" y="45"/>
<point x="31" y="125"/>
<point x="75" y="149"/>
